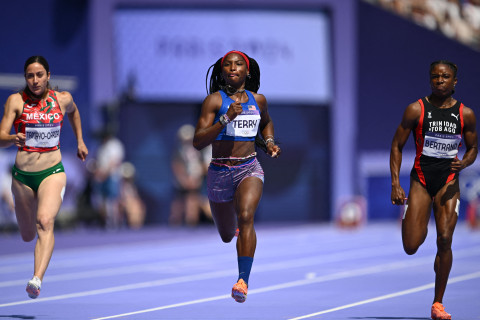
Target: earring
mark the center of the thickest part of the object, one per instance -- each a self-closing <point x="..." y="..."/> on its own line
<point x="249" y="76"/>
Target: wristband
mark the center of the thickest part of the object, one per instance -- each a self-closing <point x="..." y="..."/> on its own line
<point x="224" y="119"/>
<point x="225" y="116"/>
<point x="269" y="140"/>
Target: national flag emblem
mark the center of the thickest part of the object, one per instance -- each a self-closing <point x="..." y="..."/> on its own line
<point x="251" y="107"/>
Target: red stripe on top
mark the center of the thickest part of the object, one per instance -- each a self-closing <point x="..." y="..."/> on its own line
<point x="419" y="144"/>
<point x="461" y="118"/>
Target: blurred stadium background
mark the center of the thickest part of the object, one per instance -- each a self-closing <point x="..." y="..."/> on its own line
<point x="337" y="74"/>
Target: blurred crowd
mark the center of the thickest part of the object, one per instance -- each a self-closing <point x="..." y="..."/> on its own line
<point x="456" y="19"/>
<point x="189" y="167"/>
<point x="110" y="197"/>
<point x="103" y="193"/>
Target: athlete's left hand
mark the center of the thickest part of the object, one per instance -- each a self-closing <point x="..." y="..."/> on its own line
<point x="273" y="150"/>
<point x="457" y="165"/>
<point x="82" y="151"/>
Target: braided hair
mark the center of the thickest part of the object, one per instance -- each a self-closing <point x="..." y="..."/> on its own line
<point x="252" y="82"/>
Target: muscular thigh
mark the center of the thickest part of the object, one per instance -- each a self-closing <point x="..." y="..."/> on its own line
<point x="50" y="195"/>
<point x="25" y="203"/>
<point x="446" y="206"/>
<point x="248" y="195"/>
<point x="419" y="206"/>
<point x="222" y="210"/>
<point x="225" y="219"/>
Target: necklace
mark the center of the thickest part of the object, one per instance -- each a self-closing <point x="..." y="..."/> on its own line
<point x="447" y="104"/>
<point x="231" y="90"/>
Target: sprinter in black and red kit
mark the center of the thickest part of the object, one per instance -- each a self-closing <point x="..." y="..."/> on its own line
<point x="439" y="123"/>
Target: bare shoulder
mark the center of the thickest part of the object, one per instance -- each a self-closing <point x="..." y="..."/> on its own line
<point x="468" y="112"/>
<point x="214" y="97"/>
<point x="469" y="117"/>
<point x="15" y="98"/>
<point x="14" y="101"/>
<point x="260" y="98"/>
<point x="413" y="110"/>
<point x="261" y="101"/>
<point x="213" y="100"/>
<point x="415" y="106"/>
<point x="64" y="97"/>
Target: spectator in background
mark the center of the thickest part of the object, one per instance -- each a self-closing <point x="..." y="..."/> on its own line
<point x="471" y="11"/>
<point x="459" y="20"/>
<point x="39" y="178"/>
<point x="421" y="15"/>
<point x="87" y="210"/>
<point x="7" y="207"/>
<point x="110" y="155"/>
<point x="132" y="208"/>
<point x="189" y="170"/>
<point x="452" y="23"/>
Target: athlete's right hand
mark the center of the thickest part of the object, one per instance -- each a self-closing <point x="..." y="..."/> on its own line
<point x="19" y="139"/>
<point x="398" y="195"/>
<point x="234" y="109"/>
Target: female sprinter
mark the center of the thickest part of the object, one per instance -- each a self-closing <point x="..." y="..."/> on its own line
<point x="39" y="178"/>
<point x="232" y="117"/>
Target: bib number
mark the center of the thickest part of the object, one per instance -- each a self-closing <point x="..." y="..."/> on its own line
<point x="441" y="145"/>
<point x="42" y="135"/>
<point x="244" y="125"/>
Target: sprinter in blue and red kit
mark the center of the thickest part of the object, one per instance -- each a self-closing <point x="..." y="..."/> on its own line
<point x="234" y="120"/>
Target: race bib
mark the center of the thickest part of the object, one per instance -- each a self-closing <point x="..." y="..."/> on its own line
<point x="441" y="145"/>
<point x="245" y="124"/>
<point x="42" y="135"/>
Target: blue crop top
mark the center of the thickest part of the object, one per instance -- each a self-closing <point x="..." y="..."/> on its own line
<point x="245" y="126"/>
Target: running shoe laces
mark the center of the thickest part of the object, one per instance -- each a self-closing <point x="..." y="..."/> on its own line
<point x="439" y="313"/>
<point x="33" y="287"/>
<point x="239" y="291"/>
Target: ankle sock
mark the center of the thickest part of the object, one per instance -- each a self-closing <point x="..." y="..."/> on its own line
<point x="244" y="268"/>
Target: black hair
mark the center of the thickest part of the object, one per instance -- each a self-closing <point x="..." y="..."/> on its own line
<point x="38" y="59"/>
<point x="450" y="64"/>
<point x="252" y="82"/>
<point x="34" y="59"/>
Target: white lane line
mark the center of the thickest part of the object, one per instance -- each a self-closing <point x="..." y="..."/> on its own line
<point x="176" y="305"/>
<point x="331" y="277"/>
<point x="68" y="258"/>
<point x="230" y="272"/>
<point x="204" y="261"/>
<point x="148" y="284"/>
<point x="209" y="275"/>
<point x="156" y="267"/>
<point x="465" y="277"/>
<point x="71" y="259"/>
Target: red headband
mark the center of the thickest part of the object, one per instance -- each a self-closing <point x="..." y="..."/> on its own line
<point x="240" y="53"/>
